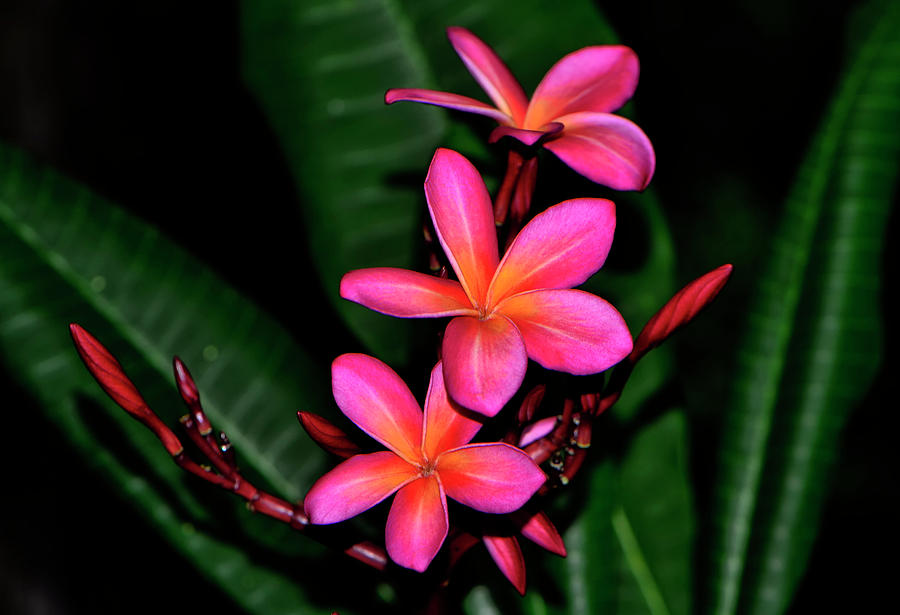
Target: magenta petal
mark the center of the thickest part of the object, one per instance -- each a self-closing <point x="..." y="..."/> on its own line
<point x="446" y="425"/>
<point x="559" y="248"/>
<point x="484" y="362"/>
<point x="356" y="485"/>
<point x="463" y="217"/>
<point x="537" y="430"/>
<point x="417" y="524"/>
<point x="607" y="149"/>
<point x="507" y="554"/>
<point x="445" y="99"/>
<point x="490" y="72"/>
<point x="599" y="79"/>
<point x="491" y="477"/>
<point x="569" y="330"/>
<point x="374" y="397"/>
<point x="406" y="294"/>
<point x="528" y="137"/>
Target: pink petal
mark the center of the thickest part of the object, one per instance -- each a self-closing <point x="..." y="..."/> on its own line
<point x="484" y="362"/>
<point x="490" y="477"/>
<point x="507" y="554"/>
<point x="599" y="79"/>
<point x="569" y="330"/>
<point x="680" y="310"/>
<point x="559" y="248"/>
<point x="446" y="99"/>
<point x="538" y="528"/>
<point x="356" y="485"/>
<point x="372" y="395"/>
<point x="490" y="72"/>
<point x="463" y="217"/>
<point x="536" y="431"/>
<point x="528" y="137"/>
<point x="417" y="524"/>
<point x="607" y="149"/>
<point x="406" y="294"/>
<point x="446" y="425"/>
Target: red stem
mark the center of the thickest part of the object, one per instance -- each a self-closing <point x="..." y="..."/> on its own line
<point x="521" y="203"/>
<point x="112" y="379"/>
<point x="507" y="187"/>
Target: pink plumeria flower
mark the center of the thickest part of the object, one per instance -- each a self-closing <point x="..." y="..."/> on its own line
<point x="429" y="459"/>
<point x="505" y="311"/>
<point x="569" y="113"/>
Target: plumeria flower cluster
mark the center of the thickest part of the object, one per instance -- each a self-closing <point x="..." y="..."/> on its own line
<point x="504" y="309"/>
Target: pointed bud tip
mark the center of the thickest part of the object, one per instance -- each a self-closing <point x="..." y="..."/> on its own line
<point x="682" y="308"/>
<point x="507" y="554"/>
<point x="108" y="372"/>
<point x="457" y="31"/>
<point x="186" y="385"/>
<point x="82" y="338"/>
<point x="537" y="527"/>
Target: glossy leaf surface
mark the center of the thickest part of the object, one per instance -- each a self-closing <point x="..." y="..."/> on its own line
<point x="813" y="340"/>
<point x="66" y="255"/>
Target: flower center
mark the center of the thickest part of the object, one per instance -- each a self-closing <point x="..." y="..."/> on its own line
<point x="484" y="312"/>
<point x="427" y="468"/>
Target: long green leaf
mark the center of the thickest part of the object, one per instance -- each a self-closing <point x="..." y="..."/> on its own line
<point x="654" y="521"/>
<point x="844" y="335"/>
<point x="812" y="344"/>
<point x="65" y="256"/>
<point x="320" y="70"/>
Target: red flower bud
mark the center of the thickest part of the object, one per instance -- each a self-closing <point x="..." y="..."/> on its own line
<point x="680" y="310"/>
<point x="326" y="435"/>
<point x="109" y="374"/>
<point x="507" y="554"/>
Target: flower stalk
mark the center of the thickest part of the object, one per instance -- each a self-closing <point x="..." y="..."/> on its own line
<point x="223" y="472"/>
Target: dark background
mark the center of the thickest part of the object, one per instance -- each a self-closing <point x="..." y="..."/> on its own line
<point x="144" y="103"/>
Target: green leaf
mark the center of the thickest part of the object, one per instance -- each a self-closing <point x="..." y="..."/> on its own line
<point x="813" y="340"/>
<point x="320" y="70"/>
<point x="630" y="546"/>
<point x="654" y="521"/>
<point x="588" y="577"/>
<point x="68" y="256"/>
